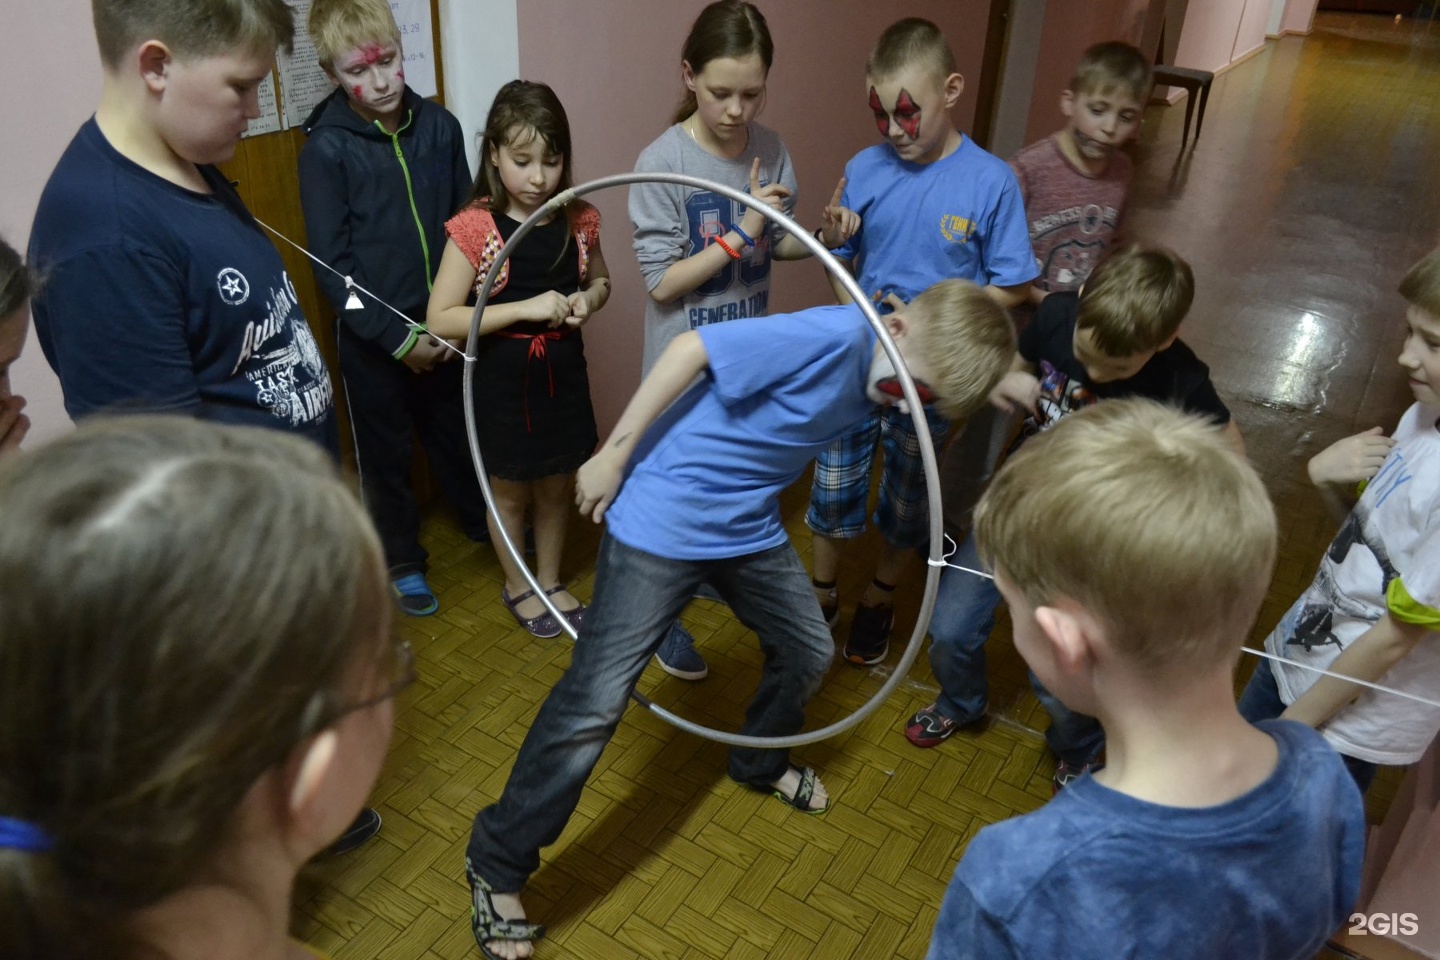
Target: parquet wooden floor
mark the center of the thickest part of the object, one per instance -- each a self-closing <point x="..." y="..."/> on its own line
<point x="666" y="858"/>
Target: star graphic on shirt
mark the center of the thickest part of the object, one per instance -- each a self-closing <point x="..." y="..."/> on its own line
<point x="234" y="288"/>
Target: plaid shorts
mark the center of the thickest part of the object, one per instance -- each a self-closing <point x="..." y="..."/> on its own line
<point x="842" y="480"/>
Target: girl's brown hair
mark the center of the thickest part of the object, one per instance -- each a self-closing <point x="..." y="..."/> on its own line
<point x="17" y="284"/>
<point x="521" y="106"/>
<point x="181" y="606"/>
<point x="726" y="28"/>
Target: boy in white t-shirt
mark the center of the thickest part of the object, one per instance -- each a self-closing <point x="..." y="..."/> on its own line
<point x="1373" y="611"/>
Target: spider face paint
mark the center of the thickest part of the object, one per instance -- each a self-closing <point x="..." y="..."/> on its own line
<point x="910" y="109"/>
<point x="907" y="114"/>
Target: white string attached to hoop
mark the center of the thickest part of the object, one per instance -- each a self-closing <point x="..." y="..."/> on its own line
<point x="352" y="302"/>
<point x="945" y="562"/>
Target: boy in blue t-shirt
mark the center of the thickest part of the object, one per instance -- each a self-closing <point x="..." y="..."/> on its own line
<point x="381" y="172"/>
<point x="1134" y="547"/>
<point x="163" y="293"/>
<point x="932" y="205"/>
<point x="699" y="471"/>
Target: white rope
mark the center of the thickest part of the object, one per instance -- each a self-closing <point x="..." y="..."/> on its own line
<point x="350" y="284"/>
<point x="944" y="562"/>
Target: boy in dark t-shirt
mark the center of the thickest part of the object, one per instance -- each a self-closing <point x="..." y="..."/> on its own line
<point x="164" y="295"/>
<point x="1119" y="337"/>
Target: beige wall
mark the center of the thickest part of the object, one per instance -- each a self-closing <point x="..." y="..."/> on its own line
<point x="618" y="75"/>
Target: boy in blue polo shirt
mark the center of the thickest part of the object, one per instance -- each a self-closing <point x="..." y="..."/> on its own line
<point x="689" y="485"/>
<point x="932" y="205"/>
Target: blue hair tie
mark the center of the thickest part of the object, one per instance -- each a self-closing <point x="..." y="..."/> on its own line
<point x="20" y="835"/>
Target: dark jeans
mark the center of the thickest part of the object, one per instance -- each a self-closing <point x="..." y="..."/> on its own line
<point x="390" y="405"/>
<point x="637" y="596"/>
<point x="964" y="616"/>
<point x="1260" y="700"/>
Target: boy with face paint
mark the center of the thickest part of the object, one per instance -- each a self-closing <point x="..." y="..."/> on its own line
<point x="1075" y="182"/>
<point x="382" y="171"/>
<point x="931" y="205"/>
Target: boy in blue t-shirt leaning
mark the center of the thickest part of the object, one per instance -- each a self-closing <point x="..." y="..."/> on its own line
<point x="1134" y="547"/>
<point x="932" y="205"/>
<point x="381" y="172"/>
<point x="729" y="416"/>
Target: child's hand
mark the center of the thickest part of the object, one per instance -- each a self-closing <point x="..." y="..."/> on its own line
<point x="596" y="483"/>
<point x="425" y="354"/>
<point x="13" y="424"/>
<point x="1352" y="459"/>
<point x="838" y="224"/>
<point x="579" y="309"/>
<point x="1017" y="392"/>
<point x="550" y="307"/>
<point x="773" y="194"/>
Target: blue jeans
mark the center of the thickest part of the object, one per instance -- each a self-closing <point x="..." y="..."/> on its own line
<point x="964" y="616"/>
<point x="1260" y="700"/>
<point x="637" y="597"/>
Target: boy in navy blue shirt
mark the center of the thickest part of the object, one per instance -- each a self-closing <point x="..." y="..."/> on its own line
<point x="382" y="171"/>
<point x="164" y="295"/>
<point x="1134" y="547"/>
<point x="932" y="205"/>
<point x="702" y="469"/>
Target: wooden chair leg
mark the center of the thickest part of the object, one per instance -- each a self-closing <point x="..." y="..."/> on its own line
<point x="1189" y="109"/>
<point x="1200" y="116"/>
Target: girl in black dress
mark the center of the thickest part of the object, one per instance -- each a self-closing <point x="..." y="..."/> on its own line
<point x="532" y="392"/>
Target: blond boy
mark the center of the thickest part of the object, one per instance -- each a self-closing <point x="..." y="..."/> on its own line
<point x="381" y="172"/>
<point x="1373" y="611"/>
<point x="1134" y="547"/>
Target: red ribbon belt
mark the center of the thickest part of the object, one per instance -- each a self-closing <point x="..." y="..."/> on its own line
<point x="536" y="352"/>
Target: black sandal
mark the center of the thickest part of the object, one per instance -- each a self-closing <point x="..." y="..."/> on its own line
<point x="804" y="793"/>
<point x="487" y="924"/>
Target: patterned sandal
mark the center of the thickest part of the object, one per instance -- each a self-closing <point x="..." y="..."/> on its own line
<point x="544" y="626"/>
<point x="486" y="923"/>
<point x="576" y="616"/>
<point x="804" y="793"/>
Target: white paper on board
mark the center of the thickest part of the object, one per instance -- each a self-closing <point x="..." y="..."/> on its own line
<point x="269" y="119"/>
<point x="302" y="83"/>
<point x="418" y="38"/>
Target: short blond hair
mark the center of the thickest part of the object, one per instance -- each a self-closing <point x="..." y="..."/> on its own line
<point x="1135" y="300"/>
<point x="191" y="28"/>
<point x="1145" y="516"/>
<point x="910" y="42"/>
<point x="1421" y="285"/>
<point x="1110" y="66"/>
<point x="339" y="26"/>
<point x="968" y="341"/>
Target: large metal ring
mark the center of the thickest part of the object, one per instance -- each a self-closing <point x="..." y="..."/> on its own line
<point x="556" y="205"/>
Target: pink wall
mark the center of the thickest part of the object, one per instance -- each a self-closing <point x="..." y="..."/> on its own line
<point x="53" y="61"/>
<point x="1069" y="29"/>
<point x="1217" y="32"/>
<point x="1299" y="15"/>
<point x="619" y="78"/>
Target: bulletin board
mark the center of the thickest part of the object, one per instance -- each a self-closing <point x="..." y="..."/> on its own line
<point x="266" y="164"/>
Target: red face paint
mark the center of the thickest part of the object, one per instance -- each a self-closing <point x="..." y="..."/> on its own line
<point x="882" y="119"/>
<point x="372" y="53"/>
<point x="358" y="91"/>
<point x="907" y="114"/>
<point x="890" y="386"/>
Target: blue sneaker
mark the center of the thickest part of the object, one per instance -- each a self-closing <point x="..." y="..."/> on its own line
<point x="415" y="596"/>
<point x="677" y="655"/>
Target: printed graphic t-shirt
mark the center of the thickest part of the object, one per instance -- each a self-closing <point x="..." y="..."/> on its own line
<point x="706" y="478"/>
<point x="163" y="300"/>
<point x="1393" y="532"/>
<point x="959" y="217"/>
<point x="1174" y="375"/>
<point x="1074" y="218"/>
<point x="1096" y="874"/>
<point x="673" y="222"/>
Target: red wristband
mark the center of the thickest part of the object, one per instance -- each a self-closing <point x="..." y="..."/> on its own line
<point x="734" y="255"/>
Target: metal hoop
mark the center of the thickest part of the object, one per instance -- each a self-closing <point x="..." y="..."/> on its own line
<point x="556" y="205"/>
